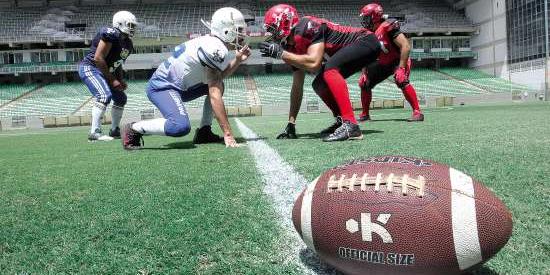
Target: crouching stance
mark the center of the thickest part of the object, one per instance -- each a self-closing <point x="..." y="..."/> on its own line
<point x="196" y="68"/>
<point x="101" y="71"/>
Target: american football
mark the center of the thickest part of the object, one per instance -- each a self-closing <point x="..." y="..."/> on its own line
<point x="401" y="215"/>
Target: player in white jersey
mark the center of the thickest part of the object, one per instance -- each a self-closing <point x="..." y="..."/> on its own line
<point x="196" y="68"/>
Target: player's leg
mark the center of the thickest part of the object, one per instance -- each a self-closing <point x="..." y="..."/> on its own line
<point x="410" y="95"/>
<point x="119" y="101"/>
<point x="341" y="65"/>
<point x="175" y="121"/>
<point x="376" y="73"/>
<point x="321" y="89"/>
<point x="102" y="97"/>
<point x="204" y="133"/>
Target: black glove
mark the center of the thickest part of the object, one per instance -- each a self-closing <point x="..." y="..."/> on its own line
<point x="272" y="50"/>
<point x="289" y="132"/>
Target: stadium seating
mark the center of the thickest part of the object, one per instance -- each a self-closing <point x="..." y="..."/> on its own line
<point x="162" y="20"/>
<point x="485" y="81"/>
<point x="10" y="92"/>
<point x="53" y="99"/>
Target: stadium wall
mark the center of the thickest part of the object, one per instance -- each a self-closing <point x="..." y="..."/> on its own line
<point x="490" y="42"/>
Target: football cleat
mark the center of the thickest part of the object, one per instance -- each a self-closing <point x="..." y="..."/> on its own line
<point x="115" y="133"/>
<point x="98" y="136"/>
<point x="131" y="139"/>
<point x="364" y="117"/>
<point x="346" y="131"/>
<point x="205" y="135"/>
<point x="330" y="129"/>
<point x="289" y="132"/>
<point x="417" y="116"/>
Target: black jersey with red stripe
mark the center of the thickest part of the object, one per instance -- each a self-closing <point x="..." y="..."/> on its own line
<point x="386" y="33"/>
<point x="311" y="30"/>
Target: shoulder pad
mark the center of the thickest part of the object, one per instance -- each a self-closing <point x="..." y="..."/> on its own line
<point x="109" y="34"/>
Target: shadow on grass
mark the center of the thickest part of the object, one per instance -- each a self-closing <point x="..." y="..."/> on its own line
<point x="313" y="263"/>
<point x="483" y="270"/>
<point x="388" y="119"/>
<point x="173" y="146"/>
<point x="242" y="140"/>
<point x="318" y="136"/>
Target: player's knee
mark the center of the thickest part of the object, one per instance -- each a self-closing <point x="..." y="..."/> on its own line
<point x="104" y="99"/>
<point x="120" y="100"/>
<point x="177" y="127"/>
<point x="402" y="85"/>
<point x="319" y="85"/>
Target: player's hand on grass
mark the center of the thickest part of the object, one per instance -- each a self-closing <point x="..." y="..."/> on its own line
<point x="230" y="142"/>
<point x="273" y="50"/>
<point x="243" y="54"/>
<point x="289" y="132"/>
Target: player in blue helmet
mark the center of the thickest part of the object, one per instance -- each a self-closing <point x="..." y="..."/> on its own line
<point x="101" y="71"/>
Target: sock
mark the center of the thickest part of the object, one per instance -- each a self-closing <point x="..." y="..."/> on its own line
<point x="366" y="98"/>
<point x="207" y="113"/>
<point x="116" y="116"/>
<point x="97" y="113"/>
<point x="410" y="96"/>
<point x="150" y="127"/>
<point x="339" y="89"/>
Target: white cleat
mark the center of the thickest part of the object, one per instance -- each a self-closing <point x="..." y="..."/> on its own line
<point x="97" y="136"/>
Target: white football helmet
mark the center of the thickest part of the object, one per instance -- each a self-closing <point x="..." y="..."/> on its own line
<point x="126" y="22"/>
<point x="228" y="25"/>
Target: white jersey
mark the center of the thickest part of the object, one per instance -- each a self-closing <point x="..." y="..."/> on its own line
<point x="187" y="66"/>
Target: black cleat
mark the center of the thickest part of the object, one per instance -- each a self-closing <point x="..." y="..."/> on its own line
<point x="115" y="133"/>
<point x="131" y="139"/>
<point x="347" y="131"/>
<point x="205" y="135"/>
<point x="289" y="132"/>
<point x="329" y="130"/>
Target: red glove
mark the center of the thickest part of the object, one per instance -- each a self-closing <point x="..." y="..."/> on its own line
<point x="363" y="80"/>
<point x="401" y="76"/>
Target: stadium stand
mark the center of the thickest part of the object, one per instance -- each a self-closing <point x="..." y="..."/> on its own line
<point x="485" y="81"/>
<point x="12" y="91"/>
<point x="182" y="19"/>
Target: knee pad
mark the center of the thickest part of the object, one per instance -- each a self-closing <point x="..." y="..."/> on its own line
<point x="177" y="128"/>
<point x="119" y="99"/>
<point x="319" y="85"/>
<point x="402" y="85"/>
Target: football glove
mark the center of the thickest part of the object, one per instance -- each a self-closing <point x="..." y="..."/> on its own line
<point x="272" y="50"/>
<point x="289" y="132"/>
<point x="363" y="81"/>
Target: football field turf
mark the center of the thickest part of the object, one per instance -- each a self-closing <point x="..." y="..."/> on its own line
<point x="68" y="206"/>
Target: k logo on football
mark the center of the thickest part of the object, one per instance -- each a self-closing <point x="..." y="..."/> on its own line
<point x="368" y="227"/>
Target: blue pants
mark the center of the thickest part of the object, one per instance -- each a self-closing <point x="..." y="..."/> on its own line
<point x="170" y="103"/>
<point x="101" y="91"/>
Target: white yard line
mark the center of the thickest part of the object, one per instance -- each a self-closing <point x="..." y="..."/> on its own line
<point x="283" y="184"/>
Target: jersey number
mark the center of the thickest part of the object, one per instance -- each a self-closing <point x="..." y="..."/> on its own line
<point x="178" y="50"/>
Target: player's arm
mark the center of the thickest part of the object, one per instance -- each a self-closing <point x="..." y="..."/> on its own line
<point x="103" y="49"/>
<point x="296" y="94"/>
<point x="241" y="56"/>
<point x="311" y="61"/>
<point x="404" y="46"/>
<point x="215" y="92"/>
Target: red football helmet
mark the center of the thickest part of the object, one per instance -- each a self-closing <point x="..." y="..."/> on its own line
<point x="279" y="21"/>
<point x="371" y="15"/>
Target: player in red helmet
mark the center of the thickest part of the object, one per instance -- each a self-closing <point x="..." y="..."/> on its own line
<point x="393" y="59"/>
<point x="302" y="43"/>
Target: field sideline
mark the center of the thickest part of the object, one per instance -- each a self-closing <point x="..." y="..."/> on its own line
<point x="68" y="206"/>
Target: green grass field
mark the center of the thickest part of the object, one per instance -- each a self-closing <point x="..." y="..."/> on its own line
<point x="68" y="206"/>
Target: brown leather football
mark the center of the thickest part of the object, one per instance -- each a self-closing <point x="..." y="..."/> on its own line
<point x="401" y="215"/>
